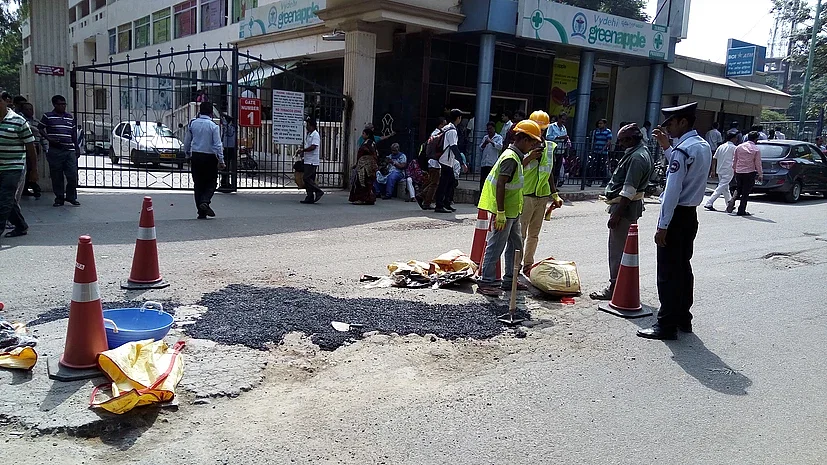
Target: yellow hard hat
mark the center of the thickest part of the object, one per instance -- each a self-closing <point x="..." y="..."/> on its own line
<point x="529" y="128"/>
<point x="540" y="117"/>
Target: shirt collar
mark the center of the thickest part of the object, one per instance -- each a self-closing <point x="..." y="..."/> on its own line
<point x="639" y="145"/>
<point x="516" y="150"/>
<point x="683" y="138"/>
<point x="204" y="117"/>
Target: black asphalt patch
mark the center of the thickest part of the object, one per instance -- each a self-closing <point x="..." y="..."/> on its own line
<point x="255" y="316"/>
<point x="59" y="313"/>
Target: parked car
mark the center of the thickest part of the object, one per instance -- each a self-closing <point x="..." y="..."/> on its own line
<point x="146" y="142"/>
<point x="791" y="168"/>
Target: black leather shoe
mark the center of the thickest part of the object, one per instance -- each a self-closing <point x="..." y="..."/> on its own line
<point x="209" y="211"/>
<point x="657" y="332"/>
<point x="441" y="210"/>
<point x="451" y="207"/>
<point x="685" y="328"/>
<point x="74" y="202"/>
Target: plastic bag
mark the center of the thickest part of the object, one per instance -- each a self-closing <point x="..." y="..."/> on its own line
<point x="13" y="336"/>
<point x="556" y="277"/>
<point x="21" y="358"/>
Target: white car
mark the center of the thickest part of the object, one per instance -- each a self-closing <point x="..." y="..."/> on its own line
<point x="146" y="142"/>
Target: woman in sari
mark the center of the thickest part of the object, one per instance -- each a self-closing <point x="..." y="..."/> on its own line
<point x="363" y="174"/>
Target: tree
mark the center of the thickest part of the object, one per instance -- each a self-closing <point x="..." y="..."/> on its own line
<point x="634" y="9"/>
<point x="11" y="44"/>
<point x="772" y="115"/>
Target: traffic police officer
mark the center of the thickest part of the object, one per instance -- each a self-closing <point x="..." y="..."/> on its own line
<point x="689" y="160"/>
<point x="538" y="187"/>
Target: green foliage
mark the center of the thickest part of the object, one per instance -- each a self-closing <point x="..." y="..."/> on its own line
<point x="11" y="45"/>
<point x="633" y="9"/>
<point x="772" y="115"/>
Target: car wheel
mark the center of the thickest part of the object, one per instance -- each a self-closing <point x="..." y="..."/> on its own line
<point x="112" y="156"/>
<point x="133" y="158"/>
<point x="795" y="193"/>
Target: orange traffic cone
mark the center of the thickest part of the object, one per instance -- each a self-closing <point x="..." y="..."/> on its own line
<point x="626" y="297"/>
<point x="85" y="336"/>
<point x="480" y="232"/>
<point x="146" y="273"/>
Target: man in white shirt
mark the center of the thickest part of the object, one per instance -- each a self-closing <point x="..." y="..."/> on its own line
<point x="311" y="151"/>
<point x="778" y="134"/>
<point x="714" y="137"/>
<point x="202" y="144"/>
<point x="506" y="126"/>
<point x="450" y="152"/>
<point x="492" y="147"/>
<point x="723" y="157"/>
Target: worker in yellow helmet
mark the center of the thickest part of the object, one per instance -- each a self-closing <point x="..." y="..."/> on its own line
<point x="539" y="187"/>
<point x="502" y="195"/>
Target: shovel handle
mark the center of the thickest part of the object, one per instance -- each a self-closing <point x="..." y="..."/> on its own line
<point x="512" y="303"/>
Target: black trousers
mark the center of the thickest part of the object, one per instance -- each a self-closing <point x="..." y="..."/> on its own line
<point x="745" y="183"/>
<point x="231" y="160"/>
<point x="484" y="171"/>
<point x="675" y="279"/>
<point x="309" y="176"/>
<point x="204" y="167"/>
<point x="446" y="182"/>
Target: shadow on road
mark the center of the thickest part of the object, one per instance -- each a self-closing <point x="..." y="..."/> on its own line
<point x="690" y="353"/>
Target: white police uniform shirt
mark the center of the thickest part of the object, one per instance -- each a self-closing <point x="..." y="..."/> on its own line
<point x="689" y="162"/>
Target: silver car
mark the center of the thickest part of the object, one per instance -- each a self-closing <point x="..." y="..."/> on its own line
<point x="146" y="142"/>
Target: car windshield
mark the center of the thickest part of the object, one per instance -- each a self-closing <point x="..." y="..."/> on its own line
<point x="773" y="151"/>
<point x="152" y="129"/>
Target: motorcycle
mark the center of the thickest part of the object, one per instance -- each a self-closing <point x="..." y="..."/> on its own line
<point x="657" y="180"/>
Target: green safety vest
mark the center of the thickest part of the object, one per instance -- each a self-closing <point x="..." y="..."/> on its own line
<point x="536" y="177"/>
<point x="513" y="190"/>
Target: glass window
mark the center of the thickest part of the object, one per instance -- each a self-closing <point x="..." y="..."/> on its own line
<point x="124" y="38"/>
<point x="213" y="14"/>
<point x="185" y="18"/>
<point x="241" y="7"/>
<point x="772" y="151"/>
<point x="142" y="32"/>
<point x="113" y="41"/>
<point x="160" y="26"/>
<point x="119" y="129"/>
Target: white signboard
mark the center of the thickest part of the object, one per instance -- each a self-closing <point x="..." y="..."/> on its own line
<point x="288" y="117"/>
<point x="675" y="14"/>
<point x="563" y="24"/>
<point x="280" y="16"/>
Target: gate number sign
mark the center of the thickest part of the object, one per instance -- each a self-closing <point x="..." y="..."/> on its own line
<point x="249" y="112"/>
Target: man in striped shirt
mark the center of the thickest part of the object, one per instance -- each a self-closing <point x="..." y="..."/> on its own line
<point x="16" y="142"/>
<point x="58" y="127"/>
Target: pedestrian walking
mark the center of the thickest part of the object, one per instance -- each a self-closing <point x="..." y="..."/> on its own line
<point x="202" y="145"/>
<point x="228" y="141"/>
<point x="450" y="152"/>
<point x="59" y="128"/>
<point x="746" y="161"/>
<point x="434" y="171"/>
<point x="714" y="137"/>
<point x="16" y="146"/>
<point x="689" y="162"/>
<point x="502" y="196"/>
<point x="723" y="162"/>
<point x="312" y="159"/>
<point x="32" y="188"/>
<point x="601" y="145"/>
<point x="492" y="147"/>
<point x="624" y="195"/>
<point x="538" y="188"/>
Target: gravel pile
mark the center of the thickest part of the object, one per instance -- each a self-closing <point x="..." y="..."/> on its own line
<point x="59" y="313"/>
<point x="255" y="316"/>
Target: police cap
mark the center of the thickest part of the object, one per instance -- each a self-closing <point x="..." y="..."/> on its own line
<point x="679" y="112"/>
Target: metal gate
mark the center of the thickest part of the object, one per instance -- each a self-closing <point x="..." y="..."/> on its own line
<point x="134" y="113"/>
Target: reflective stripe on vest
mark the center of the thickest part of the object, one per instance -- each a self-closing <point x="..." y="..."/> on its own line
<point x="513" y="190"/>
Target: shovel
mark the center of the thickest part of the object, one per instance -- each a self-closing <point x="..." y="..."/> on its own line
<point x="344" y="327"/>
<point x="509" y="318"/>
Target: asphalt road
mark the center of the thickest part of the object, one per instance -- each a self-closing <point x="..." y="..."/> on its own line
<point x="746" y="387"/>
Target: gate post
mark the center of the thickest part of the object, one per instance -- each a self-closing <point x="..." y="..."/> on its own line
<point x="233" y="110"/>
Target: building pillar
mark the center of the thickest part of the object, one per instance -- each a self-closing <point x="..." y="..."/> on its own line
<point x="584" y="95"/>
<point x="359" y="79"/>
<point x="49" y="26"/>
<point x="485" y="79"/>
<point x="653" y="102"/>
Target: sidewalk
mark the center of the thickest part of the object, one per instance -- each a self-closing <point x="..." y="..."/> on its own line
<point x="469" y="192"/>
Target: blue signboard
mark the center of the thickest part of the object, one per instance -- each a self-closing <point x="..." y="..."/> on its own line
<point x="744" y="58"/>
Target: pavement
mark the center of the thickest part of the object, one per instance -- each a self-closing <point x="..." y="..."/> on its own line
<point x="574" y="385"/>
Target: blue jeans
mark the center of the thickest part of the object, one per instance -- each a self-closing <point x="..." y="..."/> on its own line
<point x="9" y="208"/>
<point x="508" y="239"/>
<point x="390" y="184"/>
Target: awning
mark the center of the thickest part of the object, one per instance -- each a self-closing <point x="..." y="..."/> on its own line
<point x="707" y="86"/>
<point x="254" y="75"/>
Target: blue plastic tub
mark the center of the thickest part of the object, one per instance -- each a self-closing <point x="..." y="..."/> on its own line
<point x="136" y="324"/>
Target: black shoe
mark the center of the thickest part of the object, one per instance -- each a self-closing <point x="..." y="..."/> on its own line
<point x="74" y="202"/>
<point x="318" y="196"/>
<point x="386" y="197"/>
<point x="17" y="232"/>
<point x="58" y="203"/>
<point x="202" y="209"/>
<point x="451" y="207"/>
<point x="743" y="214"/>
<point x="658" y="332"/>
<point x="730" y="207"/>
<point x="425" y="207"/>
<point x="710" y="208"/>
<point x="685" y="328"/>
<point x="441" y="210"/>
<point x="202" y="216"/>
<point x="306" y="201"/>
<point x="209" y="211"/>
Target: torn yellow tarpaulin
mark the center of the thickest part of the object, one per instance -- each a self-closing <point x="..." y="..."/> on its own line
<point x="21" y="358"/>
<point x="142" y="373"/>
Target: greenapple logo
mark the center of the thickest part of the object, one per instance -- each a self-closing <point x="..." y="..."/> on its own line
<point x="624" y="39"/>
<point x="291" y="15"/>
